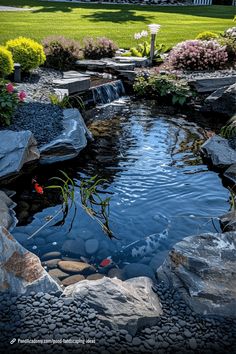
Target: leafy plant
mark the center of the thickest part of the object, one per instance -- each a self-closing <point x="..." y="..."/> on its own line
<point x="61" y="53"/>
<point x="207" y="35"/>
<point x="6" y="62"/>
<point x="66" y="101"/>
<point x="198" y="55"/>
<point x="143" y="50"/>
<point x="229" y="130"/>
<point x="167" y="87"/>
<point x="99" y="48"/>
<point x="9" y="100"/>
<point x="27" y="52"/>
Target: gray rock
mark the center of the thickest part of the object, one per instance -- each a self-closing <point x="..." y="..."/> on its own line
<point x="74" y="84"/>
<point x="202" y="269"/>
<point x="228" y="221"/>
<point x="212" y="84"/>
<point x="7" y="214"/>
<point x="128" y="305"/>
<point x="222" y="101"/>
<point x="75" y="247"/>
<point x="91" y="246"/>
<point x="230" y="173"/>
<point x="21" y="271"/>
<point x="193" y="343"/>
<point x="69" y="144"/>
<point x="219" y="152"/>
<point x="16" y="150"/>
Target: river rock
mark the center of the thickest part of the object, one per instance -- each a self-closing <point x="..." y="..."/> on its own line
<point x="129" y="305"/>
<point x="51" y="263"/>
<point x="72" y="140"/>
<point x="91" y="246"/>
<point x="202" y="269"/>
<point x="7" y="214"/>
<point x="21" y="271"/>
<point x="16" y="150"/>
<point x="75" y="247"/>
<point x="95" y="276"/>
<point x="76" y="267"/>
<point x="222" y="101"/>
<point x="72" y="279"/>
<point x="51" y="255"/>
<point x="58" y="273"/>
<point x="115" y="273"/>
<point x="219" y="152"/>
<point x="133" y="270"/>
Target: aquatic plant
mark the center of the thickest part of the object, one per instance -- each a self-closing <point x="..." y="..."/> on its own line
<point x="71" y="101"/>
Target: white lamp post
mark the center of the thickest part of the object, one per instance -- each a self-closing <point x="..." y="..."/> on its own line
<point x="153" y="28"/>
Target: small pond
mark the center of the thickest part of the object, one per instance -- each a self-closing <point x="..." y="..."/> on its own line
<point x="155" y="179"/>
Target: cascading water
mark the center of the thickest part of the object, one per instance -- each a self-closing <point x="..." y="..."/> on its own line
<point x="108" y="92"/>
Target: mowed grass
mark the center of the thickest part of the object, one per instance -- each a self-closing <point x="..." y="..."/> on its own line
<point x="118" y="22"/>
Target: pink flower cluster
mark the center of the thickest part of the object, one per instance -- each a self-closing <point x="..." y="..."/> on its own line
<point x="198" y="55"/>
<point x="21" y="94"/>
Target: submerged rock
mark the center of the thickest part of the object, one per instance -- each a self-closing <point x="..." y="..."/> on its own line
<point x="129" y="305"/>
<point x="76" y="267"/>
<point x="21" y="271"/>
<point x="16" y="150"/>
<point x="72" y="279"/>
<point x="219" y="152"/>
<point x="202" y="269"/>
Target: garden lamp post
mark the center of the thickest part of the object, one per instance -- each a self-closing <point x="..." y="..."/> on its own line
<point x="153" y="28"/>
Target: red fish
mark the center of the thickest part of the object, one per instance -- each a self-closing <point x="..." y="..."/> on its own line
<point x="38" y="189"/>
<point x="106" y="262"/>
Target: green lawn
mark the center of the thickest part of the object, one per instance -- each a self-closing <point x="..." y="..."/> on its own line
<point x="118" y="22"/>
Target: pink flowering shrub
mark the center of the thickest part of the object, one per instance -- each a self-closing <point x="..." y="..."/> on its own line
<point x="9" y="100"/>
<point x="99" y="48"/>
<point x="198" y="55"/>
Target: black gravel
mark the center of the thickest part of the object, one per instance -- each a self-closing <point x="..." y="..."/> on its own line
<point x="42" y="119"/>
<point x="49" y="316"/>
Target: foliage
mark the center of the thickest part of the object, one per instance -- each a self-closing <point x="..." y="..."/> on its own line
<point x="207" y="35"/>
<point x="143" y="50"/>
<point x="66" y="101"/>
<point x="27" y="52"/>
<point x="229" y="130"/>
<point x="61" y="53"/>
<point x="198" y="55"/>
<point x="230" y="46"/>
<point x="167" y="87"/>
<point x="9" y="100"/>
<point x="230" y="32"/>
<point x="98" y="48"/>
<point x="6" y="62"/>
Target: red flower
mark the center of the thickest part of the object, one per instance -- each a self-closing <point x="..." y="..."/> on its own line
<point x="22" y="96"/>
<point x="9" y="88"/>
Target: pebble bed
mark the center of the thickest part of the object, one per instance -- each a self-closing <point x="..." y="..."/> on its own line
<point x="38" y="115"/>
<point x="54" y="317"/>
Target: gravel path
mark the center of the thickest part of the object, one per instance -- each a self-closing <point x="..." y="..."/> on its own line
<point x="50" y="317"/>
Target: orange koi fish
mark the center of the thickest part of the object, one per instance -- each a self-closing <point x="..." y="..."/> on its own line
<point x="106" y="262"/>
<point x="38" y="189"/>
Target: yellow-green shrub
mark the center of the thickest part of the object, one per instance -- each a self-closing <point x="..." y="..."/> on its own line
<point x="207" y="36"/>
<point x="6" y="62"/>
<point x="27" y="52"/>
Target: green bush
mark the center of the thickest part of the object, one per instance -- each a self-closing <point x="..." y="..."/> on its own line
<point x="61" y="53"/>
<point x="98" y="48"/>
<point x="230" y="48"/>
<point x="27" y="52"/>
<point x="206" y="36"/>
<point x="165" y="87"/>
<point x="6" y="62"/>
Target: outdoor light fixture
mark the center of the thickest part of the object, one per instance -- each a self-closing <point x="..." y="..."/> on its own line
<point x="153" y="28"/>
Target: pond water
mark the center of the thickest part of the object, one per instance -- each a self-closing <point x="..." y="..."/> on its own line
<point x="156" y="181"/>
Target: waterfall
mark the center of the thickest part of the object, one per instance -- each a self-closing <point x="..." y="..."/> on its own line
<point x="108" y="92"/>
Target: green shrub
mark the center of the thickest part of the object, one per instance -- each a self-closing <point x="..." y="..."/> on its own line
<point x="61" y="53"/>
<point x="206" y="36"/>
<point x="230" y="47"/>
<point x="167" y="87"/>
<point x="6" y="62"/>
<point x="27" y="52"/>
<point x="229" y="130"/>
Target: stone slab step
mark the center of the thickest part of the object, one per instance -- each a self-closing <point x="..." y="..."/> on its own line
<point x="202" y="85"/>
<point x="74" y="85"/>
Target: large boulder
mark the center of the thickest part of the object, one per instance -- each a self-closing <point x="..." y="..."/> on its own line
<point x="21" y="271"/>
<point x="222" y="101"/>
<point x="7" y="214"/>
<point x="72" y="140"/>
<point x="228" y="221"/>
<point x="219" y="152"/>
<point x="203" y="269"/>
<point x="210" y="84"/>
<point x="16" y="150"/>
<point x="130" y="305"/>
